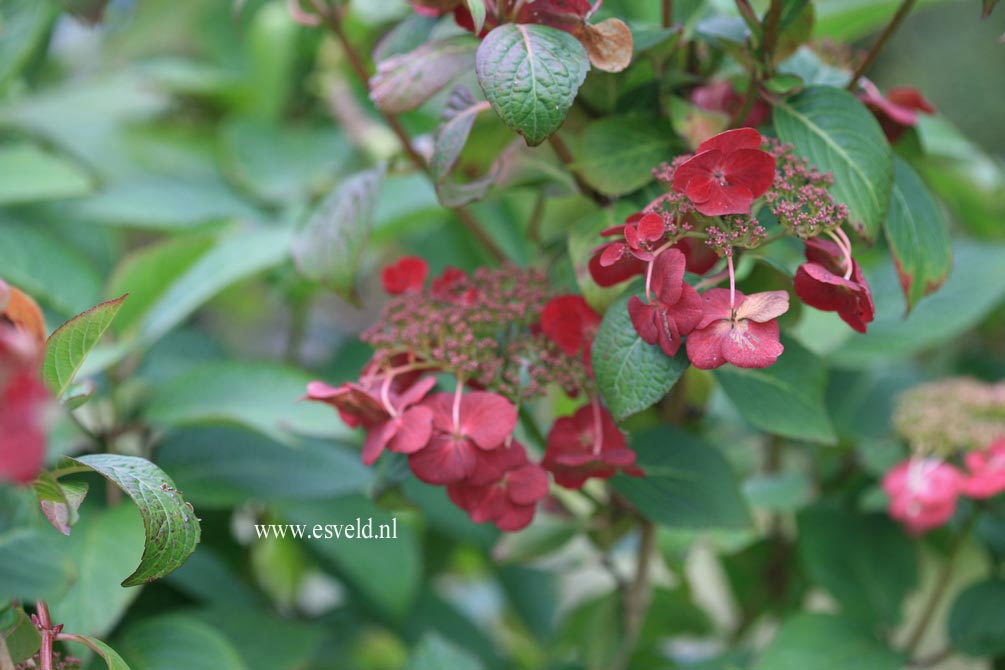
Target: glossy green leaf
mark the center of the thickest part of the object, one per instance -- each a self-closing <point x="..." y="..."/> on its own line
<point x="976" y="626"/>
<point x="632" y="375"/>
<point x="869" y="577"/>
<point x="406" y="81"/>
<point x="175" y="641"/>
<point x="786" y="398"/>
<point x="826" y="642"/>
<point x="170" y="524"/>
<point x="70" y="344"/>
<point x="261" y="396"/>
<point x="329" y="248"/>
<point x="836" y="133"/>
<point x="32" y="175"/>
<point x="530" y="74"/>
<point x="918" y="235"/>
<point x="688" y="483"/>
<point x="617" y="155"/>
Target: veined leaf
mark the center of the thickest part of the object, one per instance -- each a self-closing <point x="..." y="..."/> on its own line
<point x="451" y="136"/>
<point x="69" y="345"/>
<point x="405" y="81"/>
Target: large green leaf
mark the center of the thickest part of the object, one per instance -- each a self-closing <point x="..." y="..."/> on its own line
<point x="175" y="641"/>
<point x="688" y="484"/>
<point x="918" y="235"/>
<point x="222" y="467"/>
<point x="632" y="375"/>
<point x="329" y="248"/>
<point x="531" y="74"/>
<point x="961" y="303"/>
<point x="617" y="155"/>
<point x="826" y="642"/>
<point x="868" y="577"/>
<point x="837" y="134"/>
<point x="785" y="399"/>
<point x="31" y="175"/>
<point x="70" y="344"/>
<point x="171" y="527"/>
<point x="405" y="81"/>
<point x="105" y="546"/>
<point x="261" y="396"/>
<point x="976" y="626"/>
<point x="33" y="565"/>
<point x="290" y="644"/>
<point x="387" y="572"/>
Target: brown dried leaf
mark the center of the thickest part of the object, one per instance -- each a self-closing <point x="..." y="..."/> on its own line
<point x="609" y="44"/>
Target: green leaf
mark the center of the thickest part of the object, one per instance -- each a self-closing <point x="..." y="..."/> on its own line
<point x="290" y="644"/>
<point x="530" y="74"/>
<point x="617" y="155"/>
<point x="688" y="484"/>
<point x="836" y="133"/>
<point x="962" y="302"/>
<point x="47" y="267"/>
<point x="404" y="82"/>
<point x="632" y="375"/>
<point x="918" y="235"/>
<point x="976" y="626"/>
<point x="32" y="175"/>
<point x="437" y="653"/>
<point x="261" y="396"/>
<point x="70" y="344"/>
<point x="387" y="572"/>
<point x="33" y="565"/>
<point x="59" y="502"/>
<point x="851" y="20"/>
<point x="451" y="136"/>
<point x="18" y="636"/>
<point x="171" y="526"/>
<point x="26" y="25"/>
<point x="223" y="467"/>
<point x="111" y="657"/>
<point x="785" y="399"/>
<point x="826" y="642"/>
<point x="105" y="547"/>
<point x="329" y="248"/>
<point x="783" y="492"/>
<point x="175" y="641"/>
<point x="869" y="577"/>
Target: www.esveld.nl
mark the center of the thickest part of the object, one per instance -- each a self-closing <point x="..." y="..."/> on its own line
<point x="360" y="530"/>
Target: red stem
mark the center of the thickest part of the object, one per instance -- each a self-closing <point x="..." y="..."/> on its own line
<point x="47" y="633"/>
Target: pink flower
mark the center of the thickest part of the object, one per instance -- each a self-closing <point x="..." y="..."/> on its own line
<point x="392" y="417"/>
<point x="745" y="335"/>
<point x="505" y="490"/>
<point x="727" y="173"/>
<point x="587" y="444"/>
<point x="408" y="275"/>
<point x="821" y="283"/>
<point x="898" y="111"/>
<point x="462" y="432"/>
<point x="986" y="471"/>
<point x="922" y="493"/>
<point x="570" y="323"/>
<point x="675" y="310"/>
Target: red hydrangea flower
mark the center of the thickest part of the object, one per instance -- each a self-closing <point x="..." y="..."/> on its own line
<point x="821" y="283"/>
<point x="587" y="444"/>
<point x="462" y="433"/>
<point x="23" y="396"/>
<point x="509" y="494"/>
<point x="986" y="471"/>
<point x="727" y="173"/>
<point x="676" y="308"/>
<point x="570" y="323"/>
<point x="720" y="96"/>
<point x="923" y="493"/>
<point x="898" y="111"/>
<point x="408" y="275"/>
<point x="392" y="417"/>
<point x="746" y="336"/>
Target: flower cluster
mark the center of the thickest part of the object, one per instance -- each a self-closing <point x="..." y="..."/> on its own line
<point x="944" y="416"/>
<point x="23" y="396"/>
<point x="799" y="197"/>
<point x="59" y="662"/>
<point x="923" y="492"/>
<point x="505" y="340"/>
<point x="832" y="281"/>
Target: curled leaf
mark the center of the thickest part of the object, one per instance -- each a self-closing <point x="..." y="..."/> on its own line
<point x="609" y="44"/>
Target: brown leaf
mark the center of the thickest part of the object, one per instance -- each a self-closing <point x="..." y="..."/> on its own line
<point x="20" y="310"/>
<point x="609" y="44"/>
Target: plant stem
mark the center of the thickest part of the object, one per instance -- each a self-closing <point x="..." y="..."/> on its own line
<point x="772" y="23"/>
<point x="48" y="635"/>
<point x="941" y="584"/>
<point x="667" y="13"/>
<point x="568" y="160"/>
<point x="905" y="8"/>
<point x="467" y="219"/>
<point x="637" y="597"/>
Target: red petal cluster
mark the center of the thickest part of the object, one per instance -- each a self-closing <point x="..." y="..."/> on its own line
<point x="571" y="324"/>
<point x="408" y="275"/>
<point x="565" y="15"/>
<point x="675" y="308"/>
<point x="727" y="173"/>
<point x="896" y="112"/>
<point x="587" y="444"/>
<point x="744" y="333"/>
<point x="986" y="471"/>
<point x="506" y="490"/>
<point x="922" y="493"/>
<point x="821" y="283"/>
